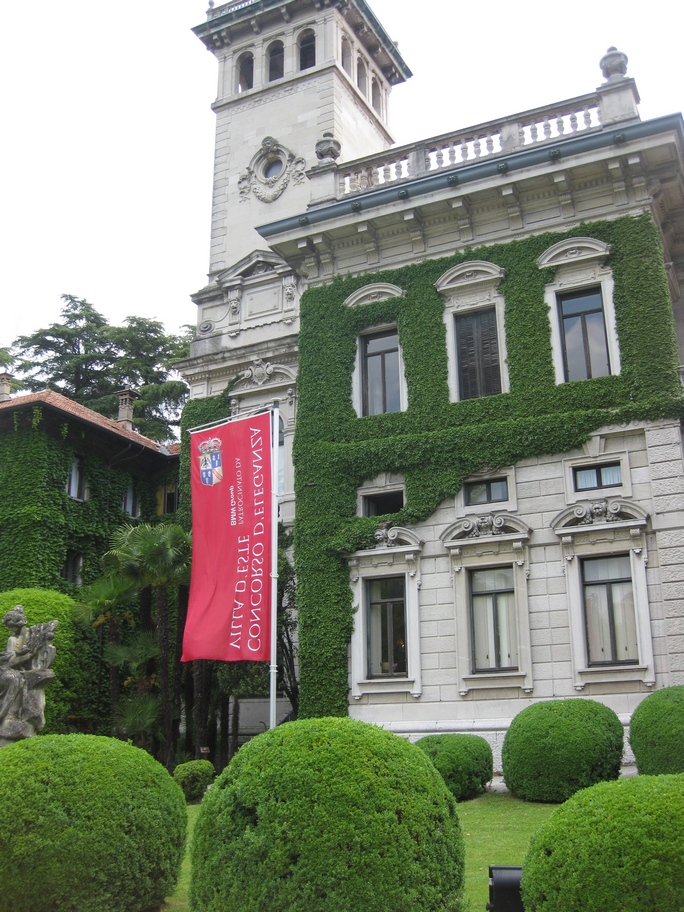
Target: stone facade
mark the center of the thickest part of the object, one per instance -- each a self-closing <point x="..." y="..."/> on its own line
<point x="306" y="188"/>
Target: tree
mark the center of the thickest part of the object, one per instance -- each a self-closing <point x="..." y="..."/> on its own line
<point x="88" y="360"/>
<point x="157" y="557"/>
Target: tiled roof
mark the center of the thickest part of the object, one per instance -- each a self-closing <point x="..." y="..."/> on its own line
<point x="62" y="404"/>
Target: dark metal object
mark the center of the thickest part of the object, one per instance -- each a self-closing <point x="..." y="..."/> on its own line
<point x="504" y="889"/>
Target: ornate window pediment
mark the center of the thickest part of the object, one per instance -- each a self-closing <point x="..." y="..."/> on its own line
<point x="484" y="526"/>
<point x="573" y="250"/>
<point x="369" y="294"/>
<point x="468" y="275"/>
<point x="597" y="512"/>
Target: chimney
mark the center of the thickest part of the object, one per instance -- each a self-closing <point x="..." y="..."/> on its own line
<point x="126" y="399"/>
<point x="5" y="384"/>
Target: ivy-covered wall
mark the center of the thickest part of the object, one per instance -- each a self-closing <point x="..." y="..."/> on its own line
<point x="39" y="522"/>
<point x="435" y="443"/>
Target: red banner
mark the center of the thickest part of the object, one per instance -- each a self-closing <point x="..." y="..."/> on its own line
<point x="229" y="613"/>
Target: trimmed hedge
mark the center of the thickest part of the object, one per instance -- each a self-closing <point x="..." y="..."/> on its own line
<point x="328" y="815"/>
<point x="656" y="732"/>
<point x="194" y="777"/>
<point x="465" y="762"/>
<point x="554" y="749"/>
<point x="617" y="845"/>
<point x="87" y="824"/>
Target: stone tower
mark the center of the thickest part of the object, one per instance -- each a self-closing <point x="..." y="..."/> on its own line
<point x="300" y="83"/>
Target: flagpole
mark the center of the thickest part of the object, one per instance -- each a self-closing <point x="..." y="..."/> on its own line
<point x="275" y="451"/>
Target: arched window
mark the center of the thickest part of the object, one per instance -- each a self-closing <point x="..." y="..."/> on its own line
<point x="276" y="61"/>
<point x="362" y="77"/>
<point x="376" y="96"/>
<point x="245" y="72"/>
<point x="307" y="49"/>
<point x="346" y="56"/>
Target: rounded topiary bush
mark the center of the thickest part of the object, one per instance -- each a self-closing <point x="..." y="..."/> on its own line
<point x="328" y="815"/>
<point x="556" y="748"/>
<point x="618" y="845"/>
<point x="87" y="824"/>
<point x="194" y="777"/>
<point x="656" y="732"/>
<point x="464" y="761"/>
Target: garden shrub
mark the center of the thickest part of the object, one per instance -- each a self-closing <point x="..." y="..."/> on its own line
<point x="554" y="749"/>
<point x="617" y="845"/>
<point x="656" y="732"/>
<point x="464" y="761"/>
<point x="87" y="824"/>
<point x="62" y="693"/>
<point x="194" y="777"/>
<point x="328" y="815"/>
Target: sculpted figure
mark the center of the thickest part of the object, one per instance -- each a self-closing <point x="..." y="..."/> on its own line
<point x="25" y="670"/>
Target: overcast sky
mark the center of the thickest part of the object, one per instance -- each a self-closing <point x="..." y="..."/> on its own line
<point x="105" y="184"/>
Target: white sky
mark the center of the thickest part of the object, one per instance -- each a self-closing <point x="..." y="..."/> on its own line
<point x="107" y="151"/>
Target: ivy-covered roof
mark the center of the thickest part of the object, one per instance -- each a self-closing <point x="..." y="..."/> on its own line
<point x="58" y="402"/>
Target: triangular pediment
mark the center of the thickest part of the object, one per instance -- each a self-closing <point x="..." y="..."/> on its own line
<point x="258" y="263"/>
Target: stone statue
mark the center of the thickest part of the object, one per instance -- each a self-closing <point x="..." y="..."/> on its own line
<point x="25" y="670"/>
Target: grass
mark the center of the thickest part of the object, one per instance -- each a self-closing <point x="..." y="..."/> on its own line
<point x="179" y="901"/>
<point x="496" y="827"/>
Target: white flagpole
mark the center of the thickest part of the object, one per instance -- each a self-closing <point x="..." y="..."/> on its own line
<point x="275" y="450"/>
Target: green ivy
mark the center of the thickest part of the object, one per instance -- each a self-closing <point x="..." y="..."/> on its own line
<point x="435" y="443"/>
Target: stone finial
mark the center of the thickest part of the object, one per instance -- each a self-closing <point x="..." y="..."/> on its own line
<point x="127" y="399"/>
<point x="5" y="386"/>
<point x="614" y="64"/>
<point x="328" y="149"/>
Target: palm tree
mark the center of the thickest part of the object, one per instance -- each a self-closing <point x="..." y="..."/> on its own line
<point x="156" y="556"/>
<point x="106" y="603"/>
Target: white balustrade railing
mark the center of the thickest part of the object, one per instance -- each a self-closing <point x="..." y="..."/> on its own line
<point x="502" y="137"/>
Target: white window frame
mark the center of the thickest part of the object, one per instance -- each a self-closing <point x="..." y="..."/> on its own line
<point x="398" y="552"/>
<point x="493" y="539"/>
<point x="369" y="294"/>
<point x="510" y="505"/>
<point x="579" y="264"/>
<point x="76" y="479"/>
<point x="605" y="527"/>
<point x="465" y="288"/>
<point x="622" y="490"/>
<point x="131" y="502"/>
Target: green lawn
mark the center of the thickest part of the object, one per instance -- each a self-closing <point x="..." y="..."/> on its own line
<point x="496" y="828"/>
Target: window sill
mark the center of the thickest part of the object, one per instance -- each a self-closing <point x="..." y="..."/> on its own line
<point x="613" y="674"/>
<point x="488" y="680"/>
<point x="385" y="685"/>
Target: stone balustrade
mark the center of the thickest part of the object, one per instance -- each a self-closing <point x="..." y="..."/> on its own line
<point x="489" y="140"/>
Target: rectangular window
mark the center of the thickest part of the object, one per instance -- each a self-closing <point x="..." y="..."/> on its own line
<point x="599" y="476"/>
<point x="131" y="502"/>
<point x="477" y="350"/>
<point x="379" y="504"/>
<point x="380" y="373"/>
<point x="583" y="331"/>
<point x="609" y="611"/>
<point x="483" y="492"/>
<point x="76" y="484"/>
<point x="386" y="603"/>
<point x="71" y="571"/>
<point x="493" y="619"/>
